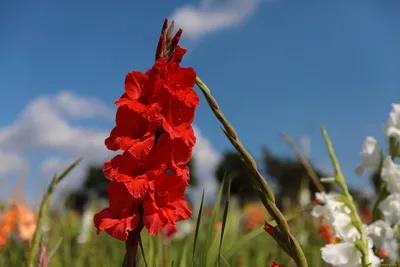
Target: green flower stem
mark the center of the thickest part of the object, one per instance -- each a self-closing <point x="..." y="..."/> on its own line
<point x="362" y="243"/>
<point x="310" y="170"/>
<point x="265" y="192"/>
<point x="43" y="212"/>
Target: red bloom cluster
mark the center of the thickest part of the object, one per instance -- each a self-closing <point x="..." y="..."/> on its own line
<point x="154" y="131"/>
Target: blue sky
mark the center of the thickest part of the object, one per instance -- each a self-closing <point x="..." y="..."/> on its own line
<point x="273" y="66"/>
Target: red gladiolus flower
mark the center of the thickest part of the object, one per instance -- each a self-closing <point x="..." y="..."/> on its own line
<point x="133" y="133"/>
<point x="176" y="154"/>
<point x="274" y="264"/>
<point x="154" y="131"/>
<point x="166" y="203"/>
<point x="122" y="215"/>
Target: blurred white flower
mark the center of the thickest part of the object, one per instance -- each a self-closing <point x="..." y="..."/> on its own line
<point x="379" y="231"/>
<point x="346" y="254"/>
<point x="370" y="156"/>
<point x="392" y="126"/>
<point x="390" y="208"/>
<point x="336" y="214"/>
<point x="344" y="229"/>
<point x="329" y="208"/>
<point x="391" y="175"/>
<point x="384" y="238"/>
<point x="323" y="197"/>
<point x="185" y="228"/>
<point x="304" y="197"/>
<point x="86" y="226"/>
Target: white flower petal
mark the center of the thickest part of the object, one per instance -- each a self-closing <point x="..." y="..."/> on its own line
<point x="341" y="254"/>
<point x="391" y="175"/>
<point x="392" y="126"/>
<point x="370" y="156"/>
<point x="390" y="208"/>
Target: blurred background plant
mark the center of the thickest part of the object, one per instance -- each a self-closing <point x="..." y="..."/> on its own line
<point x="245" y="243"/>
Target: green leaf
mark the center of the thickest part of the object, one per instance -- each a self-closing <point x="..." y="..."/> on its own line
<point x="197" y="226"/>
<point x="224" y="218"/>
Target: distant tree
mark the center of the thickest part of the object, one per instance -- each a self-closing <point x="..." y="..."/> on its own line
<point x="288" y="174"/>
<point x="241" y="186"/>
<point x="193" y="181"/>
<point x="77" y="200"/>
<point x="95" y="183"/>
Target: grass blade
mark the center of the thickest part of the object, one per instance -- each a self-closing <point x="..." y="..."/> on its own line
<point x="141" y="249"/>
<point x="43" y="211"/>
<point x="248" y="237"/>
<point x="197" y="226"/>
<point x="224" y="260"/>
<point x="224" y="219"/>
<point x="212" y="222"/>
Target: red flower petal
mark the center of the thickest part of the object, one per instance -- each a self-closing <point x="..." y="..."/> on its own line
<point x="174" y="152"/>
<point x="179" y="79"/>
<point x="133" y="173"/>
<point x="178" y="54"/>
<point x="170" y="229"/>
<point x="117" y="228"/>
<point x="165" y="203"/>
<point x="154" y="223"/>
<point x="137" y="187"/>
<point x="122" y="215"/>
<point x="132" y="132"/>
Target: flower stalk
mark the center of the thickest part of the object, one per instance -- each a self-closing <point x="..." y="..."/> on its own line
<point x="43" y="210"/>
<point x="266" y="195"/>
<point x="131" y="246"/>
<point x="362" y="243"/>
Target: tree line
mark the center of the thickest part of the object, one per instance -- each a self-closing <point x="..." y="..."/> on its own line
<point x="288" y="174"/>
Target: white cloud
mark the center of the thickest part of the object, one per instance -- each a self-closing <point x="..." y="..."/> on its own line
<point x="210" y="17"/>
<point x="10" y="163"/>
<point x="52" y="165"/>
<point x="81" y="107"/>
<point x="45" y="125"/>
<point x="206" y="160"/>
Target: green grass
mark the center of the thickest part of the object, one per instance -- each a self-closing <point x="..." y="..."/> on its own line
<point x="238" y="248"/>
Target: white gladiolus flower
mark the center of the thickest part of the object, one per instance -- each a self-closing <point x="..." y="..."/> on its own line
<point x="323" y="197"/>
<point x="345" y="254"/>
<point x="379" y="231"/>
<point x="390" y="208"/>
<point x="330" y="208"/>
<point x="370" y="156"/>
<point x="391" y="175"/>
<point x="344" y="229"/>
<point x="336" y="214"/>
<point x="392" y="126"/>
<point x="384" y="238"/>
<point x="391" y="248"/>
